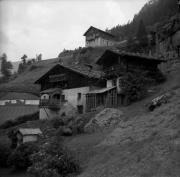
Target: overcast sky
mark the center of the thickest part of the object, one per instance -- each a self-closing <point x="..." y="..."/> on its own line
<point x="48" y="26"/>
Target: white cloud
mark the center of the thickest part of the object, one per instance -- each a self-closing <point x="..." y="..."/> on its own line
<point x="47" y="27"/>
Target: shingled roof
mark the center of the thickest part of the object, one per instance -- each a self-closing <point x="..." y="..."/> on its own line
<point x="30" y="131"/>
<point x="80" y="69"/>
<point x="101" y="31"/>
<point x="128" y="54"/>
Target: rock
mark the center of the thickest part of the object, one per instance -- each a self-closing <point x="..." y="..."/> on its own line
<point x="105" y="119"/>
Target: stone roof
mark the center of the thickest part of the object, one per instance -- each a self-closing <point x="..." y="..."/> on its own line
<point x="86" y="71"/>
<point x="129" y="54"/>
<point x="51" y="90"/>
<point x="80" y="69"/>
<point x="30" y="131"/>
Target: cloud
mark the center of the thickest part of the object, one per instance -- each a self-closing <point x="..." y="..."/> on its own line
<point x="47" y="27"/>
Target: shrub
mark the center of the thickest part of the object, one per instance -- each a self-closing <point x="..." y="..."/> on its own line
<point x="20" y="157"/>
<point x="53" y="160"/>
<point x="134" y="85"/>
<point x="57" y="122"/>
<point x="4" y="154"/>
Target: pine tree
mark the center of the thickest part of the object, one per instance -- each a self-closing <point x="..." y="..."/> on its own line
<point x="142" y="34"/>
<point x="6" y="67"/>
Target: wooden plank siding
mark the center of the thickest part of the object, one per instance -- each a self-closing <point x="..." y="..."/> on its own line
<point x="109" y="99"/>
<point x="73" y="79"/>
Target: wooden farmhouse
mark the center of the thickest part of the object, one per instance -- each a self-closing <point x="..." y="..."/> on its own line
<point x="95" y="37"/>
<point x="87" y="89"/>
<point x="114" y="66"/>
<point x="67" y="84"/>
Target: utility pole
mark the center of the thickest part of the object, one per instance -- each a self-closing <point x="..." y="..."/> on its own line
<point x="179" y="6"/>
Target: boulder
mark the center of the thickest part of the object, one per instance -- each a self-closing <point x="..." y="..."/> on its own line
<point x="107" y="118"/>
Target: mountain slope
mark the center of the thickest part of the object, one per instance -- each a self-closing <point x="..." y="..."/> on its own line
<point x="143" y="144"/>
<point x="25" y="81"/>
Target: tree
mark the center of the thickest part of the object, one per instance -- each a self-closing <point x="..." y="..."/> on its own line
<point x="141" y="32"/>
<point x="6" y="67"/>
<point x="39" y="57"/>
<point x="24" y="58"/>
<point x="20" y="68"/>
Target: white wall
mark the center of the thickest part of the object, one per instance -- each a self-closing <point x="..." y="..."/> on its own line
<point x="45" y="96"/>
<point x="71" y="96"/>
<point x="27" y="102"/>
<point x="98" y="42"/>
<point x="30" y="138"/>
<point x="32" y="102"/>
<point x="109" y="83"/>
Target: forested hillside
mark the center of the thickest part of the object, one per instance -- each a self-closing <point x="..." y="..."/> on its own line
<point x="153" y="12"/>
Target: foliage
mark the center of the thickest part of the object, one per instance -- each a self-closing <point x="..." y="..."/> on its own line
<point x="57" y="122"/>
<point x="4" y="154"/>
<point x="24" y="58"/>
<point x="21" y="68"/>
<point x="39" y="57"/>
<point x="134" y="85"/>
<point x="6" y="67"/>
<point x="153" y="11"/>
<point x="20" y="157"/>
<point x="53" y="160"/>
<point x="20" y="120"/>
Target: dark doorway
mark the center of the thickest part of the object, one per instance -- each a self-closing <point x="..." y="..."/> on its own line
<point x="80" y="109"/>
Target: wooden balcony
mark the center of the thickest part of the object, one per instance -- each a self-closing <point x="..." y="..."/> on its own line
<point x="51" y="104"/>
<point x="115" y="71"/>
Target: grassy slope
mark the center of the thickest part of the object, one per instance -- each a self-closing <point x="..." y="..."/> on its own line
<point x="25" y="81"/>
<point x="144" y="143"/>
<point x="10" y="112"/>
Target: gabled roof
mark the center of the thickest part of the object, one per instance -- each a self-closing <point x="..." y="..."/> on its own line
<point x="80" y="69"/>
<point x="30" y="131"/>
<point x="109" y="53"/>
<point x="19" y="96"/>
<point x="51" y="90"/>
<point x="101" y="31"/>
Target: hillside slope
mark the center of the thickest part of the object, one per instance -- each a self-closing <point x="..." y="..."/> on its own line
<point x="145" y="144"/>
<point x="25" y="81"/>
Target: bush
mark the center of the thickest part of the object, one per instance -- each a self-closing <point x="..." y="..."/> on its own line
<point x="53" y="160"/>
<point x="20" y="157"/>
<point x="4" y="154"/>
<point x="20" y="120"/>
<point x="134" y="85"/>
<point x="57" y="122"/>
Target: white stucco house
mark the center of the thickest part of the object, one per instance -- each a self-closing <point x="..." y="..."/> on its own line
<point x="17" y="98"/>
<point x="64" y="89"/>
<point x="95" y="37"/>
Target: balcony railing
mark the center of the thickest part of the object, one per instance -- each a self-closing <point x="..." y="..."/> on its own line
<point x="51" y="104"/>
<point x="115" y="70"/>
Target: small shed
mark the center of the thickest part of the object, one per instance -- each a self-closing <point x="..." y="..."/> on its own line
<point x="28" y="135"/>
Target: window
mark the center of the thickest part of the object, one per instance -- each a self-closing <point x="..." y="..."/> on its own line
<point x="80" y="109"/>
<point x="79" y="96"/>
<point x="62" y="98"/>
<point x="114" y="82"/>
